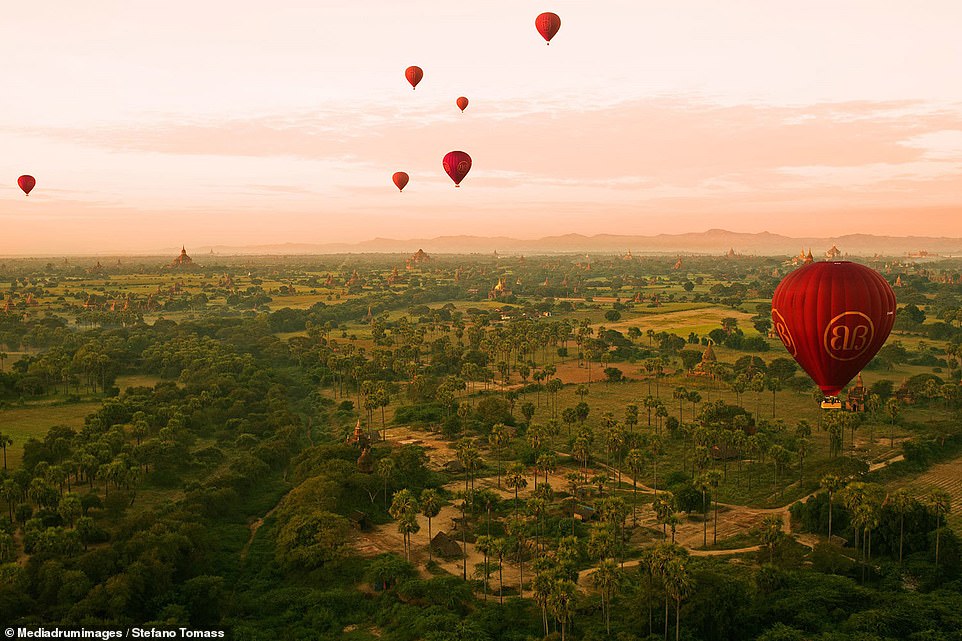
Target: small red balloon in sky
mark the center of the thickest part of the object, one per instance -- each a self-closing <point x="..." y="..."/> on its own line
<point x="457" y="164"/>
<point x="414" y="75"/>
<point x="400" y="179"/>
<point x="833" y="317"/>
<point x="462" y="103"/>
<point x="548" y="24"/>
<point x="27" y="183"/>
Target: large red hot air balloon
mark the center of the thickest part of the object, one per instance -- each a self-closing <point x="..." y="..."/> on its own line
<point x="414" y="75"/>
<point x="833" y="317"/>
<point x="27" y="183"/>
<point x="547" y="24"/>
<point x="457" y="164"/>
<point x="400" y="179"/>
<point x="462" y="103"/>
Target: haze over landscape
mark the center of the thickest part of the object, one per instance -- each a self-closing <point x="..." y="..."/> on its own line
<point x="268" y="124"/>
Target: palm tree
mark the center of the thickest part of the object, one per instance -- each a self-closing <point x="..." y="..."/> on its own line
<point x="893" y="407"/>
<point x="679" y="585"/>
<point x="499" y="547"/>
<point x="714" y="480"/>
<point x="430" y="508"/>
<point x="703" y="485"/>
<point x="831" y="483"/>
<point x="636" y="463"/>
<point x="499" y="438"/>
<point x="771" y="533"/>
<point x="515" y="480"/>
<point x="404" y="508"/>
<point x="484" y="545"/>
<point x="5" y="440"/>
<point x="902" y="503"/>
<point x="606" y="578"/>
<point x="561" y="602"/>
<point x="941" y="504"/>
<point x="385" y="469"/>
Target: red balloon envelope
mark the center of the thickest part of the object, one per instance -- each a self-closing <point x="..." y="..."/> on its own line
<point x="27" y="183"/>
<point x="462" y="103"/>
<point x="414" y="75"/>
<point x="833" y="317"/>
<point x="400" y="179"/>
<point x="548" y="25"/>
<point x="457" y="164"/>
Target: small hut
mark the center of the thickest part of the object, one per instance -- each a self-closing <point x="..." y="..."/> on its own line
<point x="446" y="547"/>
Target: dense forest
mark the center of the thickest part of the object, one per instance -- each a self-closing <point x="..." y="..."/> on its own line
<point x="471" y="448"/>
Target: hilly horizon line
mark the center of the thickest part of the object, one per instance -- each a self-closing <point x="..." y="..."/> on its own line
<point x="710" y="241"/>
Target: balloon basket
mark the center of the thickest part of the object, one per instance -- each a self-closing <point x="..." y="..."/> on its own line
<point x="832" y="403"/>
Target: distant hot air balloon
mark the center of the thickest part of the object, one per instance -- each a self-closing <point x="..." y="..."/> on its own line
<point x="462" y="103"/>
<point x="414" y="75"/>
<point x="548" y="25"/>
<point x="457" y="164"/>
<point x="27" y="183"/>
<point x="400" y="179"/>
<point x="833" y="317"/>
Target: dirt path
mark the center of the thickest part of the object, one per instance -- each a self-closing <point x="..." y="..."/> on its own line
<point x="733" y="520"/>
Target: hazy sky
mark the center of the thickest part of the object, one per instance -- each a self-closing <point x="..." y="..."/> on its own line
<point x="149" y="124"/>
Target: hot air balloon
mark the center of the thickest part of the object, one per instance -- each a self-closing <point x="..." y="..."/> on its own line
<point x="27" y="183"/>
<point x="414" y="75"/>
<point x="400" y="179"/>
<point x="457" y="164"/>
<point x="833" y="317"/>
<point x="548" y="25"/>
<point x="462" y="103"/>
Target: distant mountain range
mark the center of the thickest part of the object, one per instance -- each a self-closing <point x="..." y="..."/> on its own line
<point x="713" y="241"/>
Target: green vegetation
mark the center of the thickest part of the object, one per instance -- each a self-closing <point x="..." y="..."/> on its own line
<point x="333" y="448"/>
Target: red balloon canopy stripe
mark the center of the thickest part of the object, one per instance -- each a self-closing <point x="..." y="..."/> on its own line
<point x="833" y="317"/>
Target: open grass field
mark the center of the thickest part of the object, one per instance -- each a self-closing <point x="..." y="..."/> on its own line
<point x="945" y="476"/>
<point x="33" y="421"/>
<point x="137" y="380"/>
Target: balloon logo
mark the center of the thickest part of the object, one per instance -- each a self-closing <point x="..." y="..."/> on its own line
<point x="400" y="180"/>
<point x="26" y="183"/>
<point x="848" y="335"/>
<point x="833" y="317"/>
<point x="457" y="164"/>
<point x="548" y="25"/>
<point x="781" y="328"/>
<point x="414" y="75"/>
<point x="462" y="103"/>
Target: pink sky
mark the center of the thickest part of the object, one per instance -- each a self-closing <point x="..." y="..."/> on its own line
<point x="152" y="124"/>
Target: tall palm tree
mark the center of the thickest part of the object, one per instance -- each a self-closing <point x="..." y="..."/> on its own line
<point x="484" y="545"/>
<point x="831" y="483"/>
<point x="404" y="508"/>
<point x="941" y="504"/>
<point x="499" y="438"/>
<point x="499" y="547"/>
<point x="714" y="480"/>
<point x="606" y="579"/>
<point x="515" y="480"/>
<point x="902" y="503"/>
<point x="636" y="463"/>
<point x="703" y="485"/>
<point x="561" y="602"/>
<point x="385" y="469"/>
<point x="516" y="528"/>
<point x="5" y="440"/>
<point x="430" y="508"/>
<point x="679" y="585"/>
